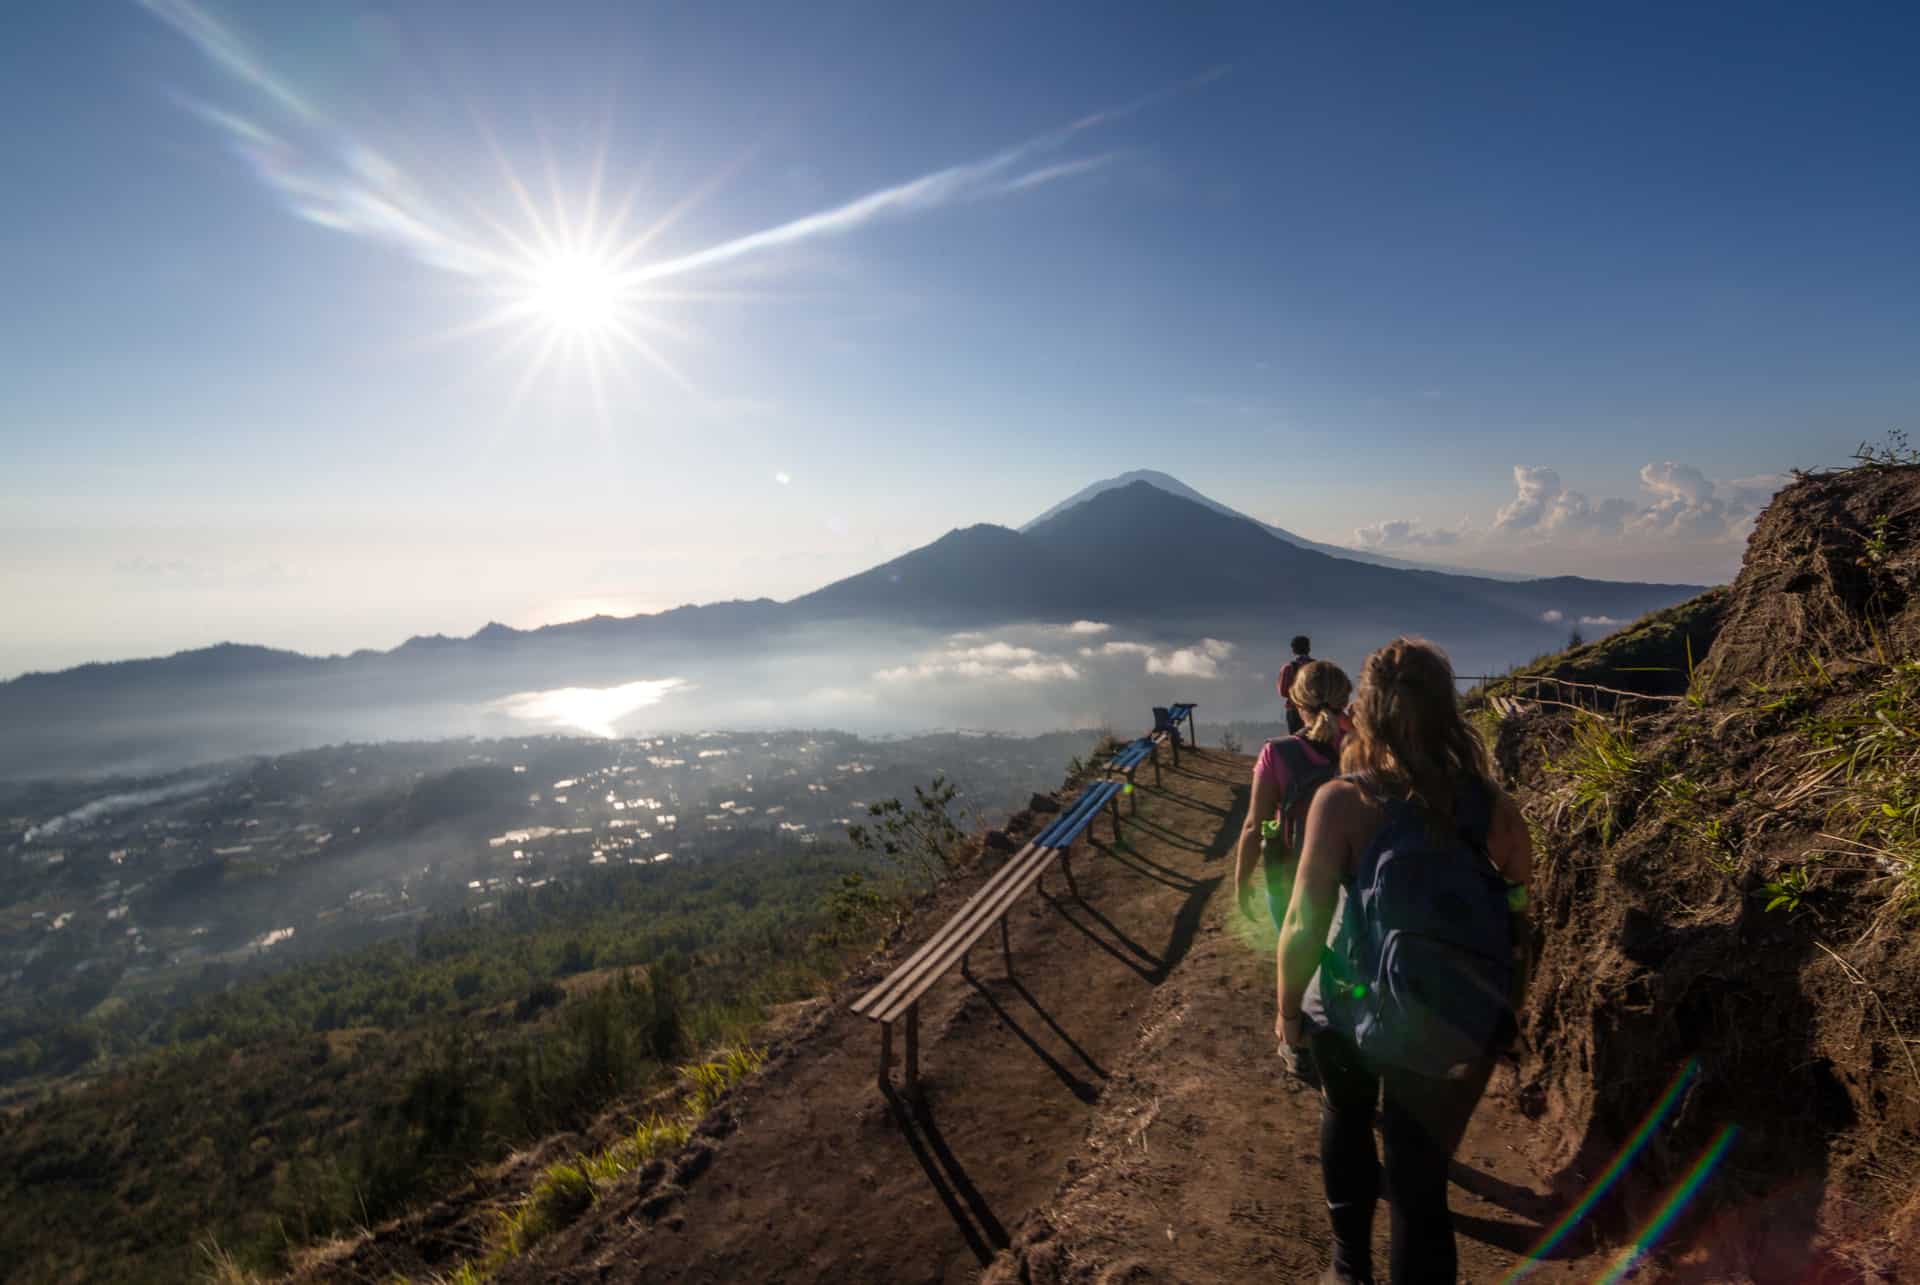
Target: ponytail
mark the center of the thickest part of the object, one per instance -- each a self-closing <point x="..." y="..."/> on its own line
<point x="1320" y="691"/>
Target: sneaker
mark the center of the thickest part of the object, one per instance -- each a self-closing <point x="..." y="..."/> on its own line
<point x="1334" y="1276"/>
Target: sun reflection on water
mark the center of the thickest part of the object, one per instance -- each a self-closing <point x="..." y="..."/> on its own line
<point x="593" y="710"/>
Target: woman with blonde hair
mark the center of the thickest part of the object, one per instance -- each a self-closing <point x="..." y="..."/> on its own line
<point x="1285" y="777"/>
<point x="1418" y="990"/>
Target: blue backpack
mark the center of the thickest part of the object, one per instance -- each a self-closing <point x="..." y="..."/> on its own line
<point x="1420" y="974"/>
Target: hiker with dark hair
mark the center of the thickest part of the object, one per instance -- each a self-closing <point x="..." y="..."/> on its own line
<point x="1302" y="657"/>
<point x="1429" y="860"/>
<point x="1285" y="776"/>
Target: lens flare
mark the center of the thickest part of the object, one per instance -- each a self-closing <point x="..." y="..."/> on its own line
<point x="1636" y="1142"/>
<point x="1678" y="1198"/>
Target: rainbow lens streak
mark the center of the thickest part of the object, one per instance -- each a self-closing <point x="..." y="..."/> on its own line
<point x="1677" y="1199"/>
<point x="1635" y="1143"/>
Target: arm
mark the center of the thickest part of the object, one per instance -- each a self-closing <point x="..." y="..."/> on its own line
<point x="1331" y="823"/>
<point x="1265" y="801"/>
<point x="1510" y="845"/>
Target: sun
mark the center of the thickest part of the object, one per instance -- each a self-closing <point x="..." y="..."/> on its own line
<point x="577" y="294"/>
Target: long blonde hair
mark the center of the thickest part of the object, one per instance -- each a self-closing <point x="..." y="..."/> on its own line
<point x="1408" y="732"/>
<point x="1320" y="690"/>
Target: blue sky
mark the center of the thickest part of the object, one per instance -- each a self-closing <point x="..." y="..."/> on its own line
<point x="1528" y="289"/>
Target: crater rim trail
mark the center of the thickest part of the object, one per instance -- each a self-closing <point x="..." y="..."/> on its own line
<point x="1110" y="1109"/>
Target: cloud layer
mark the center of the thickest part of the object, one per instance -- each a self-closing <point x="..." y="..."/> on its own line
<point x="1027" y="656"/>
<point x="1678" y="502"/>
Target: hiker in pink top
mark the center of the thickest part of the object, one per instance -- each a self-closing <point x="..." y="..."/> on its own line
<point x="1285" y="777"/>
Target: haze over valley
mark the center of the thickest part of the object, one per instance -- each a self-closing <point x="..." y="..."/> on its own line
<point x="1130" y="597"/>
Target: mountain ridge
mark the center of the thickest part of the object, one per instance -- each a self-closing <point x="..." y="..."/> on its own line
<point x="994" y="568"/>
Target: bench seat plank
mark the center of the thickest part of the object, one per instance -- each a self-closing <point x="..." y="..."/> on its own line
<point x="1011" y="872"/>
<point x="957" y="944"/>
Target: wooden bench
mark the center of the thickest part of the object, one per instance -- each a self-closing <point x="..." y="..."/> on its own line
<point x="899" y="995"/>
<point x="1132" y="755"/>
<point x="1169" y="731"/>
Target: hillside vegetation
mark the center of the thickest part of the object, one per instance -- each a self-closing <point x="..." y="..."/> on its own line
<point x="1731" y="878"/>
<point x="340" y="1093"/>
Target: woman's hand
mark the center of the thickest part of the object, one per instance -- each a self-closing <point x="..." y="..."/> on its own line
<point x="1293" y="1048"/>
<point x="1246" y="898"/>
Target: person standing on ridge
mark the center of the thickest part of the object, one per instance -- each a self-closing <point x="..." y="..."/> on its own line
<point x="1419" y="990"/>
<point x="1302" y="647"/>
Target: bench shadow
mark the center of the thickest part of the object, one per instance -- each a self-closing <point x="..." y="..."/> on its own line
<point x="1080" y="1088"/>
<point x="1171" y="838"/>
<point x="1514" y="1237"/>
<point x="1228" y="834"/>
<point x="1185" y="801"/>
<point x="983" y="1232"/>
<point x="1151" y="968"/>
<point x="1185" y="770"/>
<point x="1147" y="868"/>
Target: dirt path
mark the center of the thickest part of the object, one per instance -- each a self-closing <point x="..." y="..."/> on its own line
<point x="1203" y="1165"/>
<point x="1109" y="1110"/>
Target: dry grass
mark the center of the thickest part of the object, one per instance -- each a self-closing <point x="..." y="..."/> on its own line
<point x="567" y="1189"/>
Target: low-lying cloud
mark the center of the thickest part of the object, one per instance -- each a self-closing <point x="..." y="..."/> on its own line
<point x="1202" y="660"/>
<point x="1678" y="504"/>
<point x="975" y="657"/>
<point x="1401" y="534"/>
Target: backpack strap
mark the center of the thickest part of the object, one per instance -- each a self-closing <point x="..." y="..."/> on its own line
<point x="1306" y="773"/>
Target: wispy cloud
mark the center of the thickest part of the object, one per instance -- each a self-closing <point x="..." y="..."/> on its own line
<point x="1053" y="173"/>
<point x="329" y="176"/>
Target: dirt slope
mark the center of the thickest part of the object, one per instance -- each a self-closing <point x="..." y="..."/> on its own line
<point x="1722" y="881"/>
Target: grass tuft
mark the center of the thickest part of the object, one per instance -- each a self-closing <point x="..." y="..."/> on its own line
<point x="1874" y="751"/>
<point x="566" y="1189"/>
<point x="222" y="1268"/>
<point x="1603" y="769"/>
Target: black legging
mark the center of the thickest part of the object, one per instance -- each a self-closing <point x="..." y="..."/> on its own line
<point x="1421" y="1125"/>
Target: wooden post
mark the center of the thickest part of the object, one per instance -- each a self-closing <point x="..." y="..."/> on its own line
<point x="886" y="1054"/>
<point x="913" y="1047"/>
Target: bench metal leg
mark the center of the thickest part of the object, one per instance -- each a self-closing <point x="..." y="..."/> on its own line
<point x="886" y="1055"/>
<point x="1006" y="944"/>
<point x="1113" y="809"/>
<point x="913" y="1047"/>
<point x="1066" y="868"/>
<point x="1156" y="766"/>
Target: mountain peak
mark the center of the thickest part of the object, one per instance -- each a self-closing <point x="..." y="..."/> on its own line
<point x="1174" y="486"/>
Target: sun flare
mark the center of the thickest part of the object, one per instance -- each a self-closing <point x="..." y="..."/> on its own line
<point x="575" y="293"/>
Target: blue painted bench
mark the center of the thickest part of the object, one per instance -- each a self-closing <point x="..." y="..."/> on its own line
<point x="1168" y="728"/>
<point x="899" y="994"/>
<point x="1132" y="755"/>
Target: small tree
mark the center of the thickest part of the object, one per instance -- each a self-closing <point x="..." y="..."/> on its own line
<point x="923" y="837"/>
<point x="1574" y="639"/>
